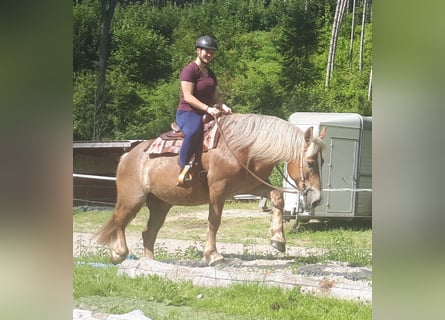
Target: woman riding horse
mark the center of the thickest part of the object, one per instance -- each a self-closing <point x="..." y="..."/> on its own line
<point x="199" y="95"/>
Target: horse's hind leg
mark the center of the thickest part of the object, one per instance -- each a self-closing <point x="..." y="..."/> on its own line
<point x="113" y="232"/>
<point x="131" y="196"/>
<point x="125" y="212"/>
<point x="158" y="212"/>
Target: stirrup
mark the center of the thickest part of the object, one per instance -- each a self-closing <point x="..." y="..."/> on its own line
<point x="185" y="177"/>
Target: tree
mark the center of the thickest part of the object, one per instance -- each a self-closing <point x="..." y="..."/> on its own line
<point x="271" y="59"/>
<point x="362" y="34"/>
<point x="297" y="40"/>
<point x="107" y="11"/>
<point x="257" y="88"/>
<point x="138" y="51"/>
<point x="85" y="35"/>
<point x="351" y="43"/>
<point x="84" y="87"/>
<point x="370" y="85"/>
<point x="341" y="4"/>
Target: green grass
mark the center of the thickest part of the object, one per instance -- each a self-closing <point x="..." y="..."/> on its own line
<point x="345" y="242"/>
<point x="99" y="289"/>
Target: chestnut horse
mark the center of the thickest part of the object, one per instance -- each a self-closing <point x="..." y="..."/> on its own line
<point x="248" y="149"/>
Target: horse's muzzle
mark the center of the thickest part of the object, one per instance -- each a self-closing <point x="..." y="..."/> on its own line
<point x="311" y="198"/>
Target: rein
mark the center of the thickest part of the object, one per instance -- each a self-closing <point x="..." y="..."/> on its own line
<point x="285" y="178"/>
<point x="254" y="175"/>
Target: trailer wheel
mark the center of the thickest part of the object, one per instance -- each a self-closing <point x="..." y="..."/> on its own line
<point x="299" y="228"/>
<point x="299" y="221"/>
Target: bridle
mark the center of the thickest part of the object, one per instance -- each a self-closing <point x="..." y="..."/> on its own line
<point x="303" y="181"/>
<point x="320" y="164"/>
<point x="305" y="190"/>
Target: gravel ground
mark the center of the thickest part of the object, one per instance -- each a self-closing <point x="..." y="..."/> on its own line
<point x="82" y="244"/>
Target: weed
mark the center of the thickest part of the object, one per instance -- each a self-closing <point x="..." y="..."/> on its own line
<point x="343" y="248"/>
<point x="162" y="253"/>
<point x="85" y="249"/>
<point x="192" y="253"/>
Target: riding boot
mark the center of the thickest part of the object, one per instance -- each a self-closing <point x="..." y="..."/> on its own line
<point x="185" y="174"/>
<point x="185" y="177"/>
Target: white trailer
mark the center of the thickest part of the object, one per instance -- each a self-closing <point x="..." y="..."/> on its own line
<point x="347" y="168"/>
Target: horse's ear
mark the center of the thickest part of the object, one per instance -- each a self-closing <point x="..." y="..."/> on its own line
<point x="308" y="134"/>
<point x="322" y="133"/>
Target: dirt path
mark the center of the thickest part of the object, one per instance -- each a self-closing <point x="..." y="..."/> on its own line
<point x="82" y="244"/>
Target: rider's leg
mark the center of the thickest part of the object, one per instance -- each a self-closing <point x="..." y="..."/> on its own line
<point x="191" y="126"/>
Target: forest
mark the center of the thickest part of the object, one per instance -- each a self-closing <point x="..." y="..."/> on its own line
<point x="274" y="57"/>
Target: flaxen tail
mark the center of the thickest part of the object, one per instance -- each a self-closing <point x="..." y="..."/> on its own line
<point x="106" y="234"/>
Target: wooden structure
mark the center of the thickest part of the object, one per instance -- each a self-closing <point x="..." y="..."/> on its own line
<point x="94" y="168"/>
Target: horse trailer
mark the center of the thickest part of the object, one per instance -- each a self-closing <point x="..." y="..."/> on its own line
<point x="346" y="171"/>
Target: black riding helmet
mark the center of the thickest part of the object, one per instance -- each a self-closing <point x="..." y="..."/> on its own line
<point x="206" y="42"/>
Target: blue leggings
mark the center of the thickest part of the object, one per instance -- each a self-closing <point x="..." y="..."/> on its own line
<point x="190" y="123"/>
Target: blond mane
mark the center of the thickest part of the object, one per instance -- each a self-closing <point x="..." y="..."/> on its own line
<point x="266" y="137"/>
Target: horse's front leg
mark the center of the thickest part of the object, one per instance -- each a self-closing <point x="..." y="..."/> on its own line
<point x="211" y="255"/>
<point x="276" y="225"/>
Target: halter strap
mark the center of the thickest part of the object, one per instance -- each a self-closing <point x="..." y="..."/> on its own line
<point x="301" y="169"/>
<point x="303" y="180"/>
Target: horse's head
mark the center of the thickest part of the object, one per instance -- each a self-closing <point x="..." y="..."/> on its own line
<point x="306" y="170"/>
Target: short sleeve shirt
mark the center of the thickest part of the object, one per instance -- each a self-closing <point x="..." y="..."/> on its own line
<point x="204" y="89"/>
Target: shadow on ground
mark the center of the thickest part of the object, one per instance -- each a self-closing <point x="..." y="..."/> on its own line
<point x="325" y="225"/>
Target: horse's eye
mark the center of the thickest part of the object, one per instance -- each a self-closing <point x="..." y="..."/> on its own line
<point x="310" y="163"/>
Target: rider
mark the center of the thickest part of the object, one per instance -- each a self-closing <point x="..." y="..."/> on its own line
<point x="199" y="95"/>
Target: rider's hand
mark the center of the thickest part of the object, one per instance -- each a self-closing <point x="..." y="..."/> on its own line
<point x="213" y="111"/>
<point x="226" y="109"/>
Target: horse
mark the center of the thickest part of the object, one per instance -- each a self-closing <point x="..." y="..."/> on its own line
<point x="249" y="147"/>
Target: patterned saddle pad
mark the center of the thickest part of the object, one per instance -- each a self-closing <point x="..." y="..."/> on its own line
<point x="170" y="142"/>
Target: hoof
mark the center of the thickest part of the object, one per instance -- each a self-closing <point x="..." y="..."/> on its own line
<point x="280" y="246"/>
<point x="214" y="259"/>
<point x="116" y="259"/>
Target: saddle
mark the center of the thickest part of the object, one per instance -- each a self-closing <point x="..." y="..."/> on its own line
<point x="170" y="142"/>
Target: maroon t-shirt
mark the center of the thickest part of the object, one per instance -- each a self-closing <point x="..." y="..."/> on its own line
<point x="205" y="86"/>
